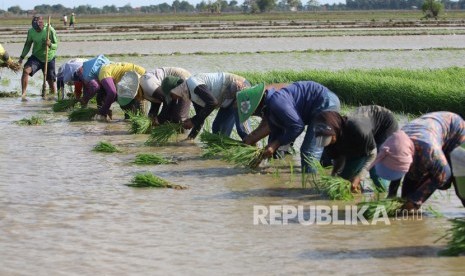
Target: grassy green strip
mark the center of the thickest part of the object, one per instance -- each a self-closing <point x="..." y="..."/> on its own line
<point x="151" y="159"/>
<point x="410" y="91"/>
<point x="149" y="180"/>
<point x="103" y="146"/>
<point x="33" y="121"/>
<point x="82" y="114"/>
<point x="456" y="238"/>
<point x="163" y="133"/>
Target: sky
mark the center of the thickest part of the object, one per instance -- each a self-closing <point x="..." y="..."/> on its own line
<point x="30" y="4"/>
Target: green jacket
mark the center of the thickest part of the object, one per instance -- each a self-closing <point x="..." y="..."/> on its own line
<point x="37" y="41"/>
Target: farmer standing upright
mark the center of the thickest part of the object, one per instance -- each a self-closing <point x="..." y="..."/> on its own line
<point x="37" y="38"/>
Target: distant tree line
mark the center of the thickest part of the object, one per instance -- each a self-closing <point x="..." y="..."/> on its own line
<point x="248" y="6"/>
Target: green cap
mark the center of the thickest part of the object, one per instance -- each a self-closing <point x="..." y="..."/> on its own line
<point x="168" y="84"/>
<point x="248" y="100"/>
<point x="127" y="88"/>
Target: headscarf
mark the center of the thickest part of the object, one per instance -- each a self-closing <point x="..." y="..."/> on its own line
<point x="396" y="153"/>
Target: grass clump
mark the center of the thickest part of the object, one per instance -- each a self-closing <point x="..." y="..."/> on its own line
<point x="64" y="105"/>
<point x="149" y="180"/>
<point x="103" y="146"/>
<point x="163" y="133"/>
<point x="391" y="205"/>
<point x="230" y="150"/>
<point x="139" y="124"/>
<point x="82" y="114"/>
<point x="151" y="159"/>
<point x="33" y="121"/>
<point x="456" y="238"/>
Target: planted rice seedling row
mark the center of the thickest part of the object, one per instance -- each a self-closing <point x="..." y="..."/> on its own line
<point x="411" y="91"/>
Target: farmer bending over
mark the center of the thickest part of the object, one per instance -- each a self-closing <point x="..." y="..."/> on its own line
<point x="285" y="111"/>
<point x="175" y="111"/>
<point x="109" y="77"/>
<point x="351" y="141"/>
<point x="427" y="152"/>
<point x="208" y="92"/>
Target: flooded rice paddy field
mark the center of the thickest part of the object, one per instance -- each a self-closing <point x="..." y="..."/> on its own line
<point x="67" y="210"/>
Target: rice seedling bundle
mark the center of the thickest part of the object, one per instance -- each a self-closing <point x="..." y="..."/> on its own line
<point x="82" y="114"/>
<point x="391" y="205"/>
<point x="103" y="146"/>
<point x="9" y="94"/>
<point x="163" y="133"/>
<point x="149" y="180"/>
<point x="64" y="105"/>
<point x="139" y="124"/>
<point x="12" y="65"/>
<point x="33" y="121"/>
<point x="151" y="159"/>
<point x="456" y="238"/>
<point x="334" y="187"/>
<point x="230" y="150"/>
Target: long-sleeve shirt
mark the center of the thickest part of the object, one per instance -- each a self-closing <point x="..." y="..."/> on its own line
<point x="38" y="41"/>
<point x="291" y="108"/>
<point x="435" y="135"/>
<point x="117" y="70"/>
<point x="365" y="129"/>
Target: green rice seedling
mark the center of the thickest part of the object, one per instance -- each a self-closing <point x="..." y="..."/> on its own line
<point x="215" y="144"/>
<point x="411" y="91"/>
<point x="103" y="146"/>
<point x="163" y="133"/>
<point x="391" y="205"/>
<point x="64" y="105"/>
<point x="33" y="121"/>
<point x="82" y="114"/>
<point x="456" y="238"/>
<point x="139" y="123"/>
<point x="151" y="159"/>
<point x="149" y="180"/>
<point x="230" y="150"/>
<point x="334" y="187"/>
<point x="436" y="213"/>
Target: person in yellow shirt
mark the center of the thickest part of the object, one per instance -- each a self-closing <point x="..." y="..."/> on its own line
<point x="7" y="62"/>
<point x="109" y="77"/>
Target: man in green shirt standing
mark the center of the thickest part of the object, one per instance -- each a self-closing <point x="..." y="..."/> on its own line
<point x="37" y="38"/>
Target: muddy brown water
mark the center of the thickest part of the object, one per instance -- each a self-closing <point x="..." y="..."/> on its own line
<point x="67" y="210"/>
